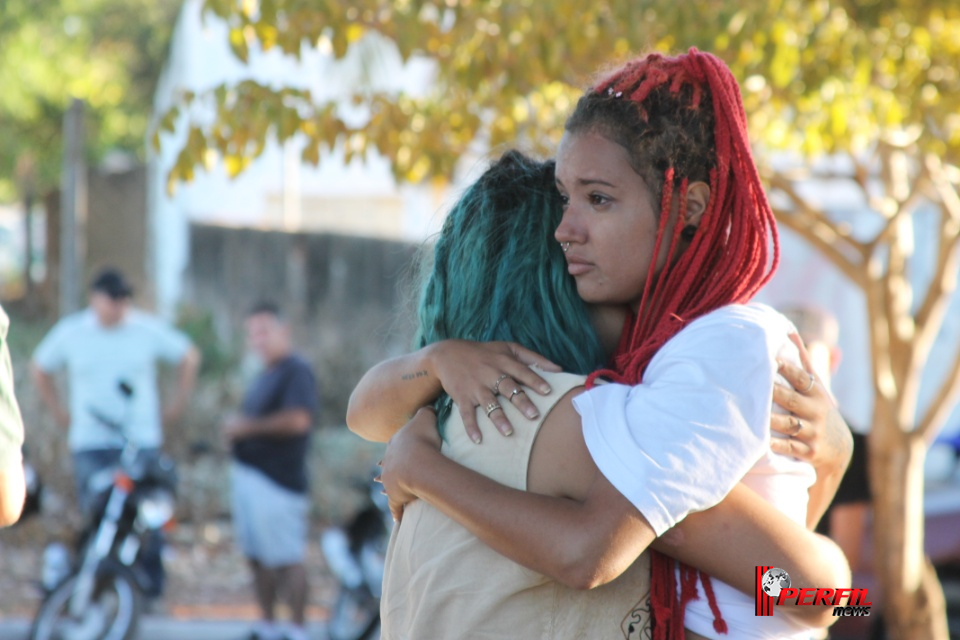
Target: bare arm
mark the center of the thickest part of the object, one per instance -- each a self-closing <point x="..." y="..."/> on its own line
<point x="589" y="542"/>
<point x="392" y="391"/>
<point x="594" y="535"/>
<point x="13" y="490"/>
<point x="186" y="380"/>
<point x="742" y="532"/>
<point x="829" y="475"/>
<point x="48" y="394"/>
<point x="13" y="485"/>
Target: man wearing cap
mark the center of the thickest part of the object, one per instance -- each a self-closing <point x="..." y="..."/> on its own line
<point x="101" y="347"/>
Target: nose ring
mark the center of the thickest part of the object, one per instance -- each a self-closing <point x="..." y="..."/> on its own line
<point x="564" y="246"/>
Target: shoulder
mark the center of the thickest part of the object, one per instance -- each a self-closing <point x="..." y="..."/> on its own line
<point x="74" y="323"/>
<point x="295" y="372"/>
<point x="78" y="319"/>
<point x="733" y="350"/>
<point x="298" y="365"/>
<point x="157" y="328"/>
<point x="735" y="329"/>
<point x="743" y="316"/>
<point x="143" y="320"/>
<point x="561" y="379"/>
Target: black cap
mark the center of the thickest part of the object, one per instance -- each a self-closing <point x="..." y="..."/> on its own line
<point x="111" y="282"/>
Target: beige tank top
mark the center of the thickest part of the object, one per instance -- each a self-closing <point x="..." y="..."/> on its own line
<point x="442" y="583"/>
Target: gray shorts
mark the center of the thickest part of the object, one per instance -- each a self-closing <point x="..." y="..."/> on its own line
<point x="269" y="521"/>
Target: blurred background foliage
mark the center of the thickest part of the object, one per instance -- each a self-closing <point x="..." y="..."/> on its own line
<point x="106" y="52"/>
<point x="818" y="76"/>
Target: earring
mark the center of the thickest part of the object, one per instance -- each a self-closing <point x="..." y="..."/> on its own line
<point x="688" y="232"/>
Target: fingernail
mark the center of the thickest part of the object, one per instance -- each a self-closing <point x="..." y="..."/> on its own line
<point x="545" y="388"/>
<point x="779" y="364"/>
<point x="507" y="431"/>
<point x="531" y="413"/>
<point x="476" y="438"/>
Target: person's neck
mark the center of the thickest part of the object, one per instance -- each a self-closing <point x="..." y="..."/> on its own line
<point x="276" y="358"/>
<point x="608" y="321"/>
<point x="111" y="325"/>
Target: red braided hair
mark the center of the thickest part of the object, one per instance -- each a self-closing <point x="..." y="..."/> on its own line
<point x="734" y="252"/>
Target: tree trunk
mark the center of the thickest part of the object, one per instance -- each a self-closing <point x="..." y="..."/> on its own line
<point x="50" y="286"/>
<point x="913" y="602"/>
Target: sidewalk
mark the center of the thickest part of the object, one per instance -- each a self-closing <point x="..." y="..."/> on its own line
<point x="160" y="628"/>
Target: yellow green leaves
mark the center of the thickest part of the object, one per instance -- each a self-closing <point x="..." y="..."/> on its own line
<point x="818" y="76"/>
<point x="106" y="52"/>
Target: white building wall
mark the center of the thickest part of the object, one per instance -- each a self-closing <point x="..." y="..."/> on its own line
<point x="360" y="198"/>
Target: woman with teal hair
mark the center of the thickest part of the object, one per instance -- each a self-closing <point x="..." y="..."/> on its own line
<point x="497" y="275"/>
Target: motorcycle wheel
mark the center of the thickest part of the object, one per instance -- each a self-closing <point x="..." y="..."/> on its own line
<point x="355" y="616"/>
<point x="113" y="614"/>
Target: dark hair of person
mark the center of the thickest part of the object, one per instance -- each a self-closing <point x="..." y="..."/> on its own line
<point x="498" y="274"/>
<point x="266" y="307"/>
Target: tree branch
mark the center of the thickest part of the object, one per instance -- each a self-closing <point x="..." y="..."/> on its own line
<point x="942" y="403"/>
<point x="929" y="317"/>
<point x="861" y="175"/>
<point x="820" y="231"/>
<point x="905" y="208"/>
<point x="883" y="378"/>
<point x="944" y="281"/>
<point x="947" y="192"/>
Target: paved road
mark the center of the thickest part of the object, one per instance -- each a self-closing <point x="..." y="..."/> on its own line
<point x="153" y="628"/>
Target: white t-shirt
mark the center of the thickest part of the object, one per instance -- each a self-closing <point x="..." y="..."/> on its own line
<point x="97" y="360"/>
<point x="697" y="425"/>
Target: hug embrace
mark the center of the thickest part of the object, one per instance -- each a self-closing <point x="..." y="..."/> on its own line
<point x="660" y="435"/>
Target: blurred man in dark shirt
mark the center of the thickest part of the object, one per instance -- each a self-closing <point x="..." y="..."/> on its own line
<point x="269" y="440"/>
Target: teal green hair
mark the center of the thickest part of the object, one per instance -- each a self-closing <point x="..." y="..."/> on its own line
<point x="499" y="274"/>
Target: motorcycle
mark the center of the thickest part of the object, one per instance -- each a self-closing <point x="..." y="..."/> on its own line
<point x="99" y="596"/>
<point x="355" y="555"/>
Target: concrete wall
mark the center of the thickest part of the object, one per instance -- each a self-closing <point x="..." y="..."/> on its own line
<point x="348" y="298"/>
<point x="117" y="228"/>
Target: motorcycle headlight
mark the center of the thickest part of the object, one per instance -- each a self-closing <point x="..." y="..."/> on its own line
<point x="155" y="509"/>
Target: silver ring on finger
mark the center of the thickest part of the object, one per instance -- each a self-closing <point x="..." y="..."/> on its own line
<point x="496" y="385"/>
<point x="516" y="390"/>
<point x="813" y="381"/>
<point x="797" y="426"/>
<point x="490" y="408"/>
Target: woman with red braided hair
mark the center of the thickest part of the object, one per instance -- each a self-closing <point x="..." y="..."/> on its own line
<point x="664" y="215"/>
